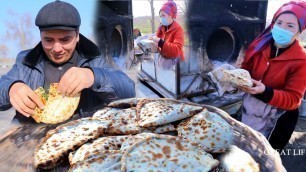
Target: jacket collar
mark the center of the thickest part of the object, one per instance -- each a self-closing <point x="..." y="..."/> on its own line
<point x="295" y="52"/>
<point x="173" y="26"/>
<point x="86" y="49"/>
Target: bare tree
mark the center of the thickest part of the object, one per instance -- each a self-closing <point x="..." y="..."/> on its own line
<point x="3" y="50"/>
<point x="152" y="15"/>
<point x="20" y="30"/>
<point x="183" y="7"/>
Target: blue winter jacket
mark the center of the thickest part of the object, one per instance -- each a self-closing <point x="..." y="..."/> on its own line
<point x="109" y="84"/>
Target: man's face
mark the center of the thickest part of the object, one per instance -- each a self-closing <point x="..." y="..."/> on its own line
<point x="59" y="45"/>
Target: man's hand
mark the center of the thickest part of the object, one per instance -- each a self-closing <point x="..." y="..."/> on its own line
<point x="258" y="88"/>
<point x="24" y="99"/>
<point x="75" y="80"/>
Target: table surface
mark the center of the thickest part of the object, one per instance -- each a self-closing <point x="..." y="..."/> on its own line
<point x="17" y="146"/>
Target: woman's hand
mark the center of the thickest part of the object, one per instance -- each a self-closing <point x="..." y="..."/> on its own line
<point x="154" y="38"/>
<point x="258" y="88"/>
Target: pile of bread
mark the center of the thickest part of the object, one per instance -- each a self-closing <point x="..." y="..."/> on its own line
<point x="145" y="135"/>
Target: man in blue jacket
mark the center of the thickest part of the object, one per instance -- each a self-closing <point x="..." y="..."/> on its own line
<point x="66" y="57"/>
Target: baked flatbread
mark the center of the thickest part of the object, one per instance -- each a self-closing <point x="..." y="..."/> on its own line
<point x="125" y="103"/>
<point x="124" y="122"/>
<point x="106" y="113"/>
<point x="41" y="92"/>
<point x="66" y="138"/>
<point x="164" y="129"/>
<point x="101" y="161"/>
<point x="43" y="96"/>
<point x="57" y="108"/>
<point x="238" y="77"/>
<point x="163" y="111"/>
<point x="166" y="153"/>
<point x="238" y="160"/>
<point x="110" y="143"/>
<point x="147" y="45"/>
<point x="87" y="150"/>
<point x="209" y="130"/>
<point x="104" y="154"/>
<point x="135" y="138"/>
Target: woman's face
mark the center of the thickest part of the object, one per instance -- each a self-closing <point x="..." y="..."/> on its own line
<point x="288" y="22"/>
<point x="166" y="19"/>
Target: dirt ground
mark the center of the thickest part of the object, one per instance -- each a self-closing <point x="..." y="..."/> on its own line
<point x="294" y="154"/>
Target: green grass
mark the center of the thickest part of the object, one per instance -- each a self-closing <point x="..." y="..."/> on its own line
<point x="144" y="25"/>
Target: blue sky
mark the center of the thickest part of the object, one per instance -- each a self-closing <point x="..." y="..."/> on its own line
<point x="86" y="9"/>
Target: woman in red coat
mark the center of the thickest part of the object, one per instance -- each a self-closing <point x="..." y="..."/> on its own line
<point x="170" y="35"/>
<point x="277" y="64"/>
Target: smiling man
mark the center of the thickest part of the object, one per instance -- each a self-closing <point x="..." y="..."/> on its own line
<point x="66" y="57"/>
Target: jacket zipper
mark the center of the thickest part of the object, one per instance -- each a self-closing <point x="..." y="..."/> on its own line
<point x="276" y="52"/>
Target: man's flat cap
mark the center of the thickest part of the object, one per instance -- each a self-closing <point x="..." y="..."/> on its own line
<point x="58" y="15"/>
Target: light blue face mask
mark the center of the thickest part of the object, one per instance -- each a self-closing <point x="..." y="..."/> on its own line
<point x="281" y="36"/>
<point x="164" y="21"/>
